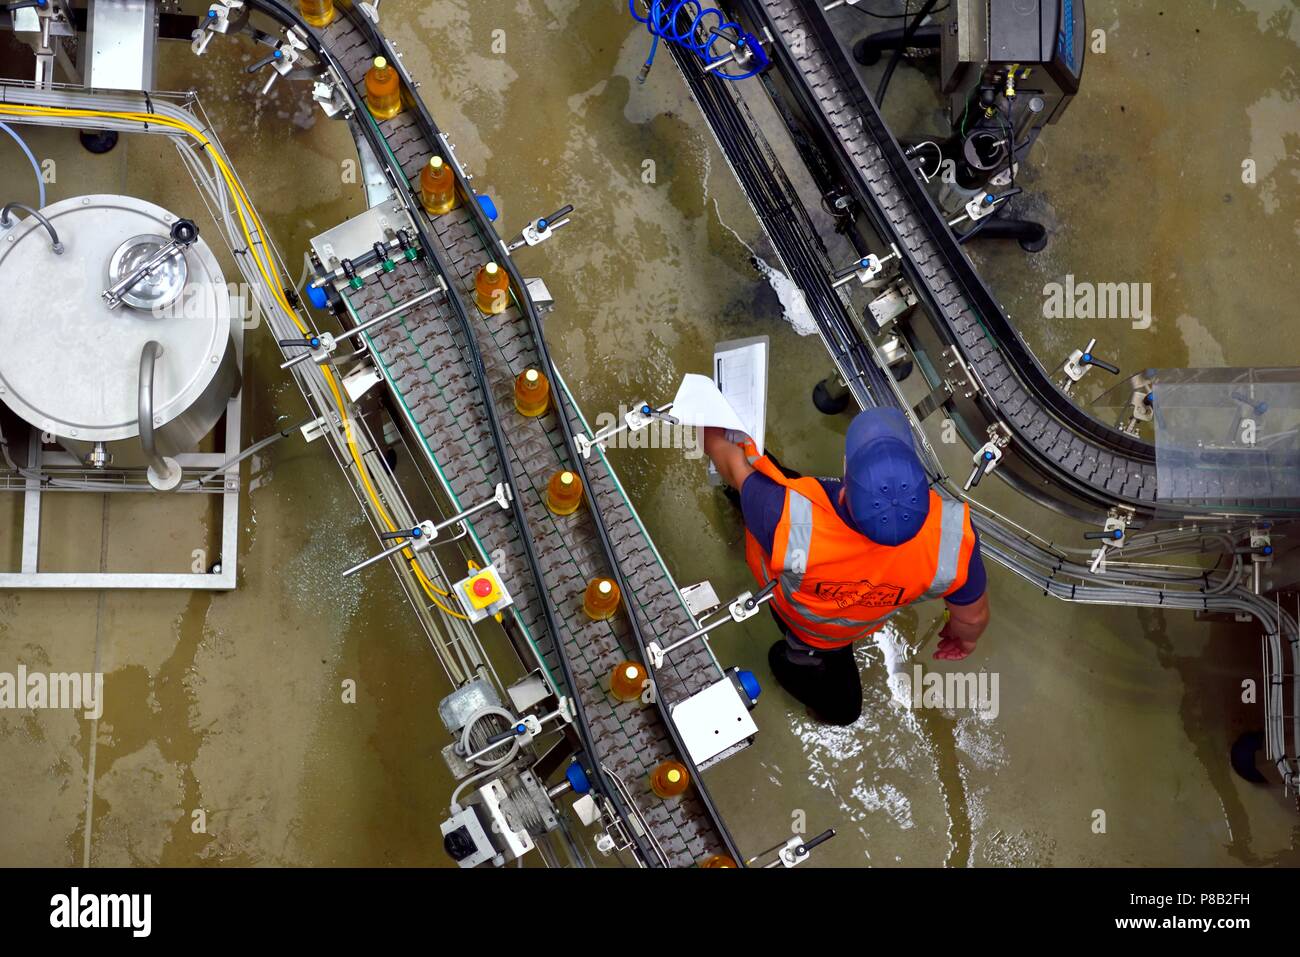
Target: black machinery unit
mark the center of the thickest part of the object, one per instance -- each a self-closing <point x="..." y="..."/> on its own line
<point x="1007" y="68"/>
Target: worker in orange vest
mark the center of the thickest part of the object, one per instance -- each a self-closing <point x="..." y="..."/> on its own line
<point x="850" y="554"/>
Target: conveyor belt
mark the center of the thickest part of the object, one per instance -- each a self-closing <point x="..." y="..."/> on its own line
<point x="778" y="209"/>
<point x="1107" y="465"/>
<point x="1092" y="466"/>
<point x="437" y="377"/>
<point x="1045" y="565"/>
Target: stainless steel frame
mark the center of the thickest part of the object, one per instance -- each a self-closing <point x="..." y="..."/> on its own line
<point x="134" y="481"/>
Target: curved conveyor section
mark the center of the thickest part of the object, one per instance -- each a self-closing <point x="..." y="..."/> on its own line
<point x="1099" y="466"/>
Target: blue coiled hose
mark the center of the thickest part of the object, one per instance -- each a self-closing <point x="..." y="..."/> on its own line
<point x="664" y="18"/>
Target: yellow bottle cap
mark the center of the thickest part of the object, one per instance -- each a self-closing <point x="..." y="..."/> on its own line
<point x="605" y="587"/>
<point x="673" y="775"/>
<point x="436" y="162"/>
<point x="566" y="478"/>
<point x="631" y="671"/>
<point x="531" y="375"/>
<point x="491" y="269"/>
<point x="381" y="63"/>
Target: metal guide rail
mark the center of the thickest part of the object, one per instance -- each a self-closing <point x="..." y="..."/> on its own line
<point x="987" y="372"/>
<point x="456" y="399"/>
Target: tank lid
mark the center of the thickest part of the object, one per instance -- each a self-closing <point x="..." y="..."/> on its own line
<point x="70" y="365"/>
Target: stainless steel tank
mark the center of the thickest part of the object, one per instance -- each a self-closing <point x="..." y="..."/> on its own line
<point x="71" y="363"/>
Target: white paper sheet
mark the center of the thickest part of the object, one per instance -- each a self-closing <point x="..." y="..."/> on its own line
<point x="698" y="402"/>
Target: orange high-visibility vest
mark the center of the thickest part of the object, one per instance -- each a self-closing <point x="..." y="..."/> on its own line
<point x="837" y="585"/>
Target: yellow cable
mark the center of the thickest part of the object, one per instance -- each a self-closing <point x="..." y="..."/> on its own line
<point x="271" y="278"/>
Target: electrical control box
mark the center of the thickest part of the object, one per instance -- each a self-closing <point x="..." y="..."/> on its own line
<point x="482" y="593"/>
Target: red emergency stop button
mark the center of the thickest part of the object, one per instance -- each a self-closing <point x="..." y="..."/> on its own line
<point x="483" y="587"/>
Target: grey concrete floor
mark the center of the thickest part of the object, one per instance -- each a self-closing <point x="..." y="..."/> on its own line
<point x="230" y="703"/>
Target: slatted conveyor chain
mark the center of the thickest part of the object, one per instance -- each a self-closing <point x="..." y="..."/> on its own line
<point x="688" y="828"/>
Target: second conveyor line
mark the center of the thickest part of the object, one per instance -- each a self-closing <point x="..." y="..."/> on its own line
<point x="1090" y="466"/>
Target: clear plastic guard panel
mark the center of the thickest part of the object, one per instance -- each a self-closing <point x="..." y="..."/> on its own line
<point x="1227" y="436"/>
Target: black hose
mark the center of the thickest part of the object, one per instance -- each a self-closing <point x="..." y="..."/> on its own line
<point x="909" y="31"/>
<point x="779" y="214"/>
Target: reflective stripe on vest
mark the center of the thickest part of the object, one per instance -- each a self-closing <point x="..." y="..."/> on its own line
<point x="799" y="542"/>
<point x="951" y="531"/>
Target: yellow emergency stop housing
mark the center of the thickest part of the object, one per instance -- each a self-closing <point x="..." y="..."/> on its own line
<point x="482" y="593"/>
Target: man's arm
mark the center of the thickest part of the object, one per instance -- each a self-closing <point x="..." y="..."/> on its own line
<point x="728" y="457"/>
<point x="965" y="625"/>
<point x="968" y="611"/>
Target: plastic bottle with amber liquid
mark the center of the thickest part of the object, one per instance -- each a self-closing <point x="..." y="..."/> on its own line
<point x="532" y="393"/>
<point x="564" y="493"/>
<point x="627" y="681"/>
<point x="319" y="13"/>
<point x="718" y="860"/>
<point x="492" y="289"/>
<point x="383" y="90"/>
<point x="601" y="599"/>
<point x="669" y="779"/>
<point x="437" y="187"/>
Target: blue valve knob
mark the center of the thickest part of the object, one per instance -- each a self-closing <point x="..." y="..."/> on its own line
<point x="317" y="297"/>
<point x="577" y="778"/>
<point x="489" y="208"/>
<point x="1264" y="550"/>
<point x="749" y="684"/>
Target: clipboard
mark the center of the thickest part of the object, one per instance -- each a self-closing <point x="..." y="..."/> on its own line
<point x="740" y="373"/>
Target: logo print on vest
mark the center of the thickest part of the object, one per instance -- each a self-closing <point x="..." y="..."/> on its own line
<point x="862" y="593"/>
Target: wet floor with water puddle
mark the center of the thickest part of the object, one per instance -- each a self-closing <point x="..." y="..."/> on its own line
<point x="229" y="704"/>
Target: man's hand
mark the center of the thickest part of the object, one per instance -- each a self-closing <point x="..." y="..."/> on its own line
<point x="965" y="625"/>
<point x="728" y="457"/>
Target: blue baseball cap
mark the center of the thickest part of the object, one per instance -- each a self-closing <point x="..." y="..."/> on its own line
<point x="888" y="489"/>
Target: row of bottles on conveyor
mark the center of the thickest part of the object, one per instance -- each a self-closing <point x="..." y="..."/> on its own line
<point x="564" y="493"/>
<point x="437" y="183"/>
<point x="602" y="597"/>
<point x="600" y="602"/>
<point x="436" y="187"/>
